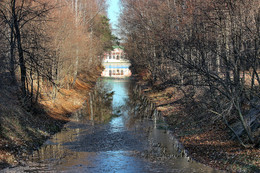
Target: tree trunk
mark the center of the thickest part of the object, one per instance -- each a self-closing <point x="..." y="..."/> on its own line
<point x="38" y="87"/>
<point x="77" y="47"/>
<point x="20" y="49"/>
<point x="12" y="57"/>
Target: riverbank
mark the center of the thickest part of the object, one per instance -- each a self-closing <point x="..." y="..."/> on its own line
<point x="23" y="131"/>
<point x="206" y="138"/>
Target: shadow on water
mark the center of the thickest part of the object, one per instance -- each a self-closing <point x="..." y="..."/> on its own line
<point x="124" y="136"/>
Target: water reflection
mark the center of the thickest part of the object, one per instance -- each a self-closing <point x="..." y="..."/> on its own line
<point x="121" y="89"/>
<point x="128" y="143"/>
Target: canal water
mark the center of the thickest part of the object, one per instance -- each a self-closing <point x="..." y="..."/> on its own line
<point x="125" y="142"/>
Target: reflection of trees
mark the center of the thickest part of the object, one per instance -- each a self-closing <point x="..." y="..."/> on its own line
<point x="100" y="102"/>
<point x="101" y="98"/>
<point x="138" y="106"/>
<point x="57" y="152"/>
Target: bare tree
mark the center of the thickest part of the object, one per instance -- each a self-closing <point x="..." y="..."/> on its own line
<point x="213" y="45"/>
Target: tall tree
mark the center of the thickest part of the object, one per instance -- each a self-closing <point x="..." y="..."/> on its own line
<point x="210" y="44"/>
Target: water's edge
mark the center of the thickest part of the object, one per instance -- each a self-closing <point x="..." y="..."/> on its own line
<point x="86" y="146"/>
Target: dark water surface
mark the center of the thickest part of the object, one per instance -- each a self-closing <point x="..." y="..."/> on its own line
<point x="121" y="145"/>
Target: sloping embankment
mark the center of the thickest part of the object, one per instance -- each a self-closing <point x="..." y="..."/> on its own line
<point x="21" y="131"/>
<point x="206" y="139"/>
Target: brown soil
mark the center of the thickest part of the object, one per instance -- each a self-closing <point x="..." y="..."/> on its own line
<point x="21" y="131"/>
<point x="206" y="138"/>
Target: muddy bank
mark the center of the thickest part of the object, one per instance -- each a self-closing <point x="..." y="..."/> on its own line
<point x="22" y="131"/>
<point x="129" y="142"/>
<point x="205" y="139"/>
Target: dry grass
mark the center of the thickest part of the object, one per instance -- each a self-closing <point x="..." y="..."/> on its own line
<point x="22" y="131"/>
<point x="206" y="140"/>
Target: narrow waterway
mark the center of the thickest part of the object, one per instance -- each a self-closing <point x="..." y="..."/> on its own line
<point x="122" y="144"/>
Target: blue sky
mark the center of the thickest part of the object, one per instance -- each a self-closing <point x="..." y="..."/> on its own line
<point x="113" y="12"/>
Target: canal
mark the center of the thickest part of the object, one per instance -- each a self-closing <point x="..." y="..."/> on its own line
<point x="125" y="141"/>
